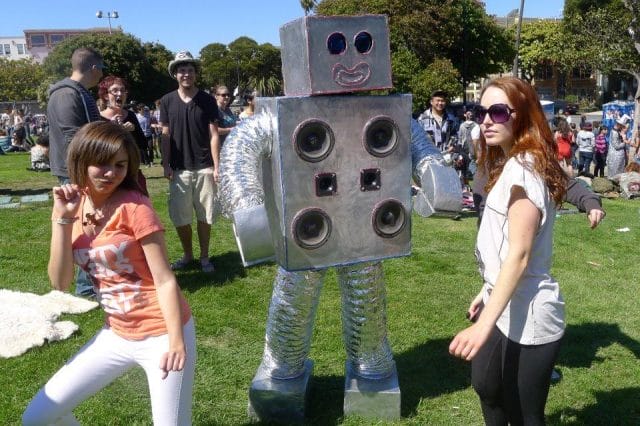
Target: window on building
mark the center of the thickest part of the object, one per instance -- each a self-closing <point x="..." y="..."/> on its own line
<point x="56" y="38"/>
<point x="544" y="72"/>
<point x="7" y="49"/>
<point x="581" y="72"/>
<point x="21" y="49"/>
<point x="37" y="40"/>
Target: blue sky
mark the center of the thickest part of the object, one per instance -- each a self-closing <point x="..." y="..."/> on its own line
<point x="192" y="24"/>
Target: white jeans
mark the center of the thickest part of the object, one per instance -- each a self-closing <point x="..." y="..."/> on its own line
<point x="104" y="358"/>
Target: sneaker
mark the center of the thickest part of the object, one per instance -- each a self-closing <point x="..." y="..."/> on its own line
<point x="180" y="264"/>
<point x="207" y="266"/>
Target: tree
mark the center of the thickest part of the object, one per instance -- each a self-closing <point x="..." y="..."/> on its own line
<point x="124" y="56"/>
<point x="158" y="58"/>
<point x="244" y="64"/>
<point x="457" y="30"/>
<point x="307" y="6"/>
<point x="217" y="66"/>
<point x="541" y="43"/>
<point x="439" y="75"/>
<point x="19" y="79"/>
<point x="604" y="34"/>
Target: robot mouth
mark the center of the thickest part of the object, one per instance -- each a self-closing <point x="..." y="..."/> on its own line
<point x="351" y="77"/>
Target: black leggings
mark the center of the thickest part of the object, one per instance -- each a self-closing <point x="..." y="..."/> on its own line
<point x="512" y="380"/>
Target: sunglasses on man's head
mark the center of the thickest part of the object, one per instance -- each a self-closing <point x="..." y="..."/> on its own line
<point x="498" y="113"/>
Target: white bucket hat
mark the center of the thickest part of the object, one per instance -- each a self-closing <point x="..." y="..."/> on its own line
<point x="183" y="57"/>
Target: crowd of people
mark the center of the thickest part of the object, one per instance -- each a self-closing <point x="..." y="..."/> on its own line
<point x="104" y="225"/>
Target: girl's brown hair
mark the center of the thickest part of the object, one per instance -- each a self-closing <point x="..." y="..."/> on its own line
<point x="532" y="136"/>
<point x="98" y="142"/>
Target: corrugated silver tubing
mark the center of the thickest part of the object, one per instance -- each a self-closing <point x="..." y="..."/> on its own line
<point x="290" y="325"/>
<point x="241" y="159"/>
<point x="423" y="151"/>
<point x="364" y="319"/>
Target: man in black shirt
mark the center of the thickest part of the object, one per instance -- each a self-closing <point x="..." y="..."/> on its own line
<point x="190" y="156"/>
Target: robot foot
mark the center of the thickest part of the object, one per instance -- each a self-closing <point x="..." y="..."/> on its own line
<point x="373" y="398"/>
<point x="279" y="400"/>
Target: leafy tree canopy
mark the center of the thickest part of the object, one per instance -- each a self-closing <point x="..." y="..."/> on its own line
<point x="244" y="64"/>
<point x="542" y="42"/>
<point x="439" y="75"/>
<point x="19" y="79"/>
<point x="143" y="66"/>
<point x="606" y="35"/>
<point x="598" y="35"/>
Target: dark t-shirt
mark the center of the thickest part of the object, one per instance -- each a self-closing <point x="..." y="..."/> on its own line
<point x="189" y="129"/>
<point x="137" y="133"/>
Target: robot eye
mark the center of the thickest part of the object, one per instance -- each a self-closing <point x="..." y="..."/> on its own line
<point x="336" y="43"/>
<point x="363" y="42"/>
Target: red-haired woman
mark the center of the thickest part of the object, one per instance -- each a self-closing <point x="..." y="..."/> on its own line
<point x="113" y="92"/>
<point x="519" y="313"/>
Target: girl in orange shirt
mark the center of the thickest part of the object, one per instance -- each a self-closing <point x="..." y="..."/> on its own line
<point x="104" y="223"/>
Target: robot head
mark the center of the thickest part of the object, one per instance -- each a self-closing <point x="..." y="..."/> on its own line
<point x="335" y="54"/>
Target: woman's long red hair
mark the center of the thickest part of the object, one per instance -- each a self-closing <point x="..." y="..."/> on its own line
<point x="532" y="136"/>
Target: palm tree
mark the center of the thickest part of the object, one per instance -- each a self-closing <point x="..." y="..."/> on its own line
<point x="307" y="5"/>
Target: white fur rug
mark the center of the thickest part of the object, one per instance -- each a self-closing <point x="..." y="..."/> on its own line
<point x="27" y="319"/>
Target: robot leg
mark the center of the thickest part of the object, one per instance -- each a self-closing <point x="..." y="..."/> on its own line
<point x="280" y="387"/>
<point x="371" y="383"/>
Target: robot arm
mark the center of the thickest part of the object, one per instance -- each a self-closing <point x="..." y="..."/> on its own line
<point x="439" y="186"/>
<point x="241" y="190"/>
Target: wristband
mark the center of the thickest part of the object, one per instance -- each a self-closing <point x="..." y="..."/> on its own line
<point x="64" y="220"/>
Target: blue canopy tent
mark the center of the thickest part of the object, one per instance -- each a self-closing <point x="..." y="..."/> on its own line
<point x="614" y="110"/>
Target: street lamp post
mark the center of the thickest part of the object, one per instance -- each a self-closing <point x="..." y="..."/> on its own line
<point x="110" y="15"/>
<point x="518" y="32"/>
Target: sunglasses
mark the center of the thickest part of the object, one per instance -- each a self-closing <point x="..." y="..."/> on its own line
<point x="498" y="113"/>
<point x="224" y="95"/>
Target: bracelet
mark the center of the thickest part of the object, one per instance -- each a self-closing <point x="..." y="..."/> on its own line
<point x="64" y="220"/>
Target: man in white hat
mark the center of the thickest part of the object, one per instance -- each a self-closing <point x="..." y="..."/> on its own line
<point x="190" y="156"/>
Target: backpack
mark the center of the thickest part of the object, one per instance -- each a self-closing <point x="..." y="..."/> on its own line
<point x="464" y="139"/>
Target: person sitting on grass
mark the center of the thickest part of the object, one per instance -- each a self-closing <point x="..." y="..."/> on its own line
<point x="40" y="155"/>
<point x="5" y="141"/>
<point x="103" y="222"/>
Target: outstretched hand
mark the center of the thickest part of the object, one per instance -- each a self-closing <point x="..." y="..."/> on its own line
<point x="595" y="217"/>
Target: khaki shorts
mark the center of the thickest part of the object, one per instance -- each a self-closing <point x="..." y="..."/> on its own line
<point x="192" y="190"/>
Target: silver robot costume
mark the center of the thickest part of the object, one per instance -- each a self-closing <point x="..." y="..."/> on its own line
<point x="337" y="169"/>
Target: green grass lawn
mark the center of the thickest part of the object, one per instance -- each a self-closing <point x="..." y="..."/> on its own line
<point x="427" y="294"/>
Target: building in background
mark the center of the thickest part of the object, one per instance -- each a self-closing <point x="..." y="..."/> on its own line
<point x="13" y="48"/>
<point x="40" y="42"/>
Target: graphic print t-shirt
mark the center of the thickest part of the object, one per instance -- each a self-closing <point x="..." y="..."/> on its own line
<point x="115" y="261"/>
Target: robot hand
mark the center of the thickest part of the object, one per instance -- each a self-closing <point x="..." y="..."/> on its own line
<point x="440" y="191"/>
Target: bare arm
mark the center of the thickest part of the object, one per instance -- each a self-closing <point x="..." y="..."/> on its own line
<point x="223" y="131"/>
<point x="168" y="292"/>
<point x="215" y="149"/>
<point x="66" y="200"/>
<point x="524" y="220"/>
<point x="165" y="149"/>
